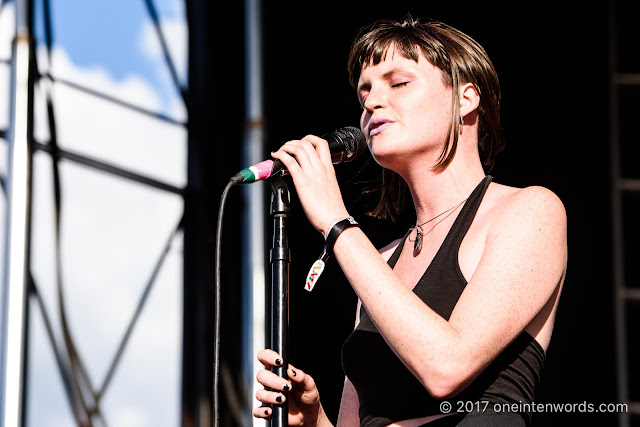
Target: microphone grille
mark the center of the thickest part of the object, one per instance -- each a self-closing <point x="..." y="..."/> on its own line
<point x="353" y="141"/>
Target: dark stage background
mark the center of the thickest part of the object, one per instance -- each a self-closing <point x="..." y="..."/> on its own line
<point x="552" y="60"/>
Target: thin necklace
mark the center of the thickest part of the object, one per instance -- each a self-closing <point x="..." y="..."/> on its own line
<point x="417" y="244"/>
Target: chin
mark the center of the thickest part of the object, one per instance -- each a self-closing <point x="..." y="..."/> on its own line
<point x="386" y="158"/>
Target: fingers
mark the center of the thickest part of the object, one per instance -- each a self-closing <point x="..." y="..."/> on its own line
<point x="275" y="386"/>
<point x="270" y="397"/>
<point x="269" y="358"/>
<point x="313" y="145"/>
<point x="299" y="391"/>
<point x="273" y="381"/>
<point x="263" y="412"/>
<point x="304" y="153"/>
<point x="299" y="382"/>
<point x="267" y="378"/>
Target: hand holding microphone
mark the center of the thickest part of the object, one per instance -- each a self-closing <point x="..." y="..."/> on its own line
<point x="310" y="161"/>
<point x="345" y="144"/>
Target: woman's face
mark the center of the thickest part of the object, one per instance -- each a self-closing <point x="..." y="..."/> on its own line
<point x="406" y="109"/>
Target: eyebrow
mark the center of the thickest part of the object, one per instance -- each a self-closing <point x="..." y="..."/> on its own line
<point x="393" y="71"/>
<point x="385" y="76"/>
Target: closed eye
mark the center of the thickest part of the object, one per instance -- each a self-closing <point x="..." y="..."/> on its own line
<point x="399" y="84"/>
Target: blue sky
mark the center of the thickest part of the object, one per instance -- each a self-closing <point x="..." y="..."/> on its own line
<point x="108" y="34"/>
<point x="98" y="32"/>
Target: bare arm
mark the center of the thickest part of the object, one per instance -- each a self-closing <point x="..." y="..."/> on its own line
<point x="521" y="267"/>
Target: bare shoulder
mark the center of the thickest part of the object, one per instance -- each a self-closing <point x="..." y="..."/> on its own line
<point x="530" y="208"/>
<point x="529" y="200"/>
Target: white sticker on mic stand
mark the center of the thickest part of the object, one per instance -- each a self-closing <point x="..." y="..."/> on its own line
<point x="314" y="274"/>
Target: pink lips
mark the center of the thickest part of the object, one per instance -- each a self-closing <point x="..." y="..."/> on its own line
<point x="378" y="124"/>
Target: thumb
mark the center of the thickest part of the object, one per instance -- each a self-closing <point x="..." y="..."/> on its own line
<point x="304" y="385"/>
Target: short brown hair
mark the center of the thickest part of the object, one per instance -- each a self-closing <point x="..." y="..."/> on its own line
<point x="461" y="60"/>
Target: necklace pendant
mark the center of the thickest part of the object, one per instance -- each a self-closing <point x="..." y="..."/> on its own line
<point x="417" y="244"/>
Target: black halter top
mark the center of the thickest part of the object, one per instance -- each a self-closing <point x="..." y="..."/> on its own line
<point x="388" y="391"/>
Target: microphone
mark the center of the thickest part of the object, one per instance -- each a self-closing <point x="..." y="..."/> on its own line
<point x="345" y="145"/>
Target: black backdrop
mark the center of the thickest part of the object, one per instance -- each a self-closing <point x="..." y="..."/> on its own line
<point x="552" y="60"/>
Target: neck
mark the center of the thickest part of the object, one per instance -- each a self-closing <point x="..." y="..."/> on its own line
<point x="434" y="192"/>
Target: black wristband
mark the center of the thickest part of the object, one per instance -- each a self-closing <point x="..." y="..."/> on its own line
<point x="336" y="230"/>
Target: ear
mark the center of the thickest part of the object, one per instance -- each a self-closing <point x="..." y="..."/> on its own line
<point x="469" y="98"/>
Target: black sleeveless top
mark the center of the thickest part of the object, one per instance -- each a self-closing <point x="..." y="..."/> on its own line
<point x="389" y="392"/>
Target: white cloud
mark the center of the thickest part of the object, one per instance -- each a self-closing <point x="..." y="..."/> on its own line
<point x="7" y="29"/>
<point x="176" y="35"/>
<point x="98" y="127"/>
<point x="133" y="89"/>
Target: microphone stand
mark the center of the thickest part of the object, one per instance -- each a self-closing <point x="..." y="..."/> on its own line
<point x="280" y="261"/>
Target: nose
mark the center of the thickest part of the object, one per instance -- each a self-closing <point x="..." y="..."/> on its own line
<point x="374" y="100"/>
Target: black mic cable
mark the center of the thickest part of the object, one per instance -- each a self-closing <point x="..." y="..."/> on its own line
<point x="217" y="305"/>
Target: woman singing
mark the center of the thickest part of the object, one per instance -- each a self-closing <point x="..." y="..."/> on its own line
<point x="454" y="317"/>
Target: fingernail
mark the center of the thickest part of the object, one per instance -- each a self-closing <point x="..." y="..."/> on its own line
<point x="266" y="412"/>
<point x="279" y="399"/>
<point x="294" y="373"/>
<point x="286" y="387"/>
<point x="278" y="362"/>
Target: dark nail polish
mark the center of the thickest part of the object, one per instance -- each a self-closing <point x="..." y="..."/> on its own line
<point x="278" y="362"/>
<point x="266" y="412"/>
<point x="286" y="387"/>
<point x="279" y="399"/>
<point x="294" y="373"/>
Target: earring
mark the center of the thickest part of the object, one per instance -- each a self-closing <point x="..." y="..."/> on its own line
<point x="461" y="121"/>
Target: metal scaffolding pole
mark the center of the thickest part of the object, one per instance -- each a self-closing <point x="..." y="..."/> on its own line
<point x="254" y="215"/>
<point x="15" y="280"/>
